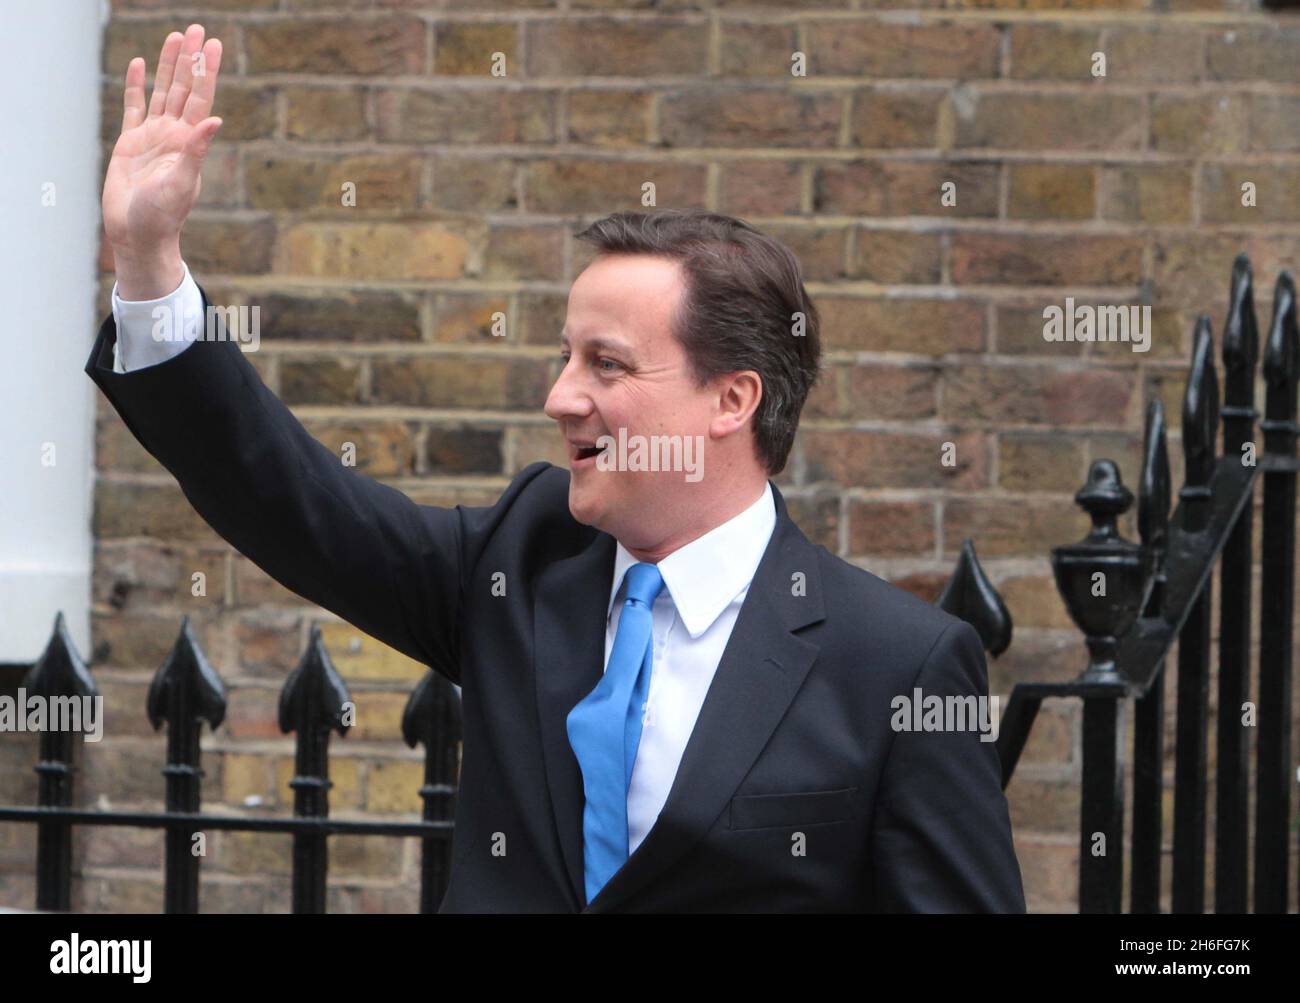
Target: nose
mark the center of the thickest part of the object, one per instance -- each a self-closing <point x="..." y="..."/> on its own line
<point x="567" y="399"/>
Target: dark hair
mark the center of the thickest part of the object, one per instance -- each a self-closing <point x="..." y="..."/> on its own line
<point x="743" y="289"/>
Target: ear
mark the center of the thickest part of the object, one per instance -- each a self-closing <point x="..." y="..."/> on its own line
<point x="738" y="398"/>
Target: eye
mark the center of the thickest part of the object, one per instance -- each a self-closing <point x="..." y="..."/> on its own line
<point x="601" y="362"/>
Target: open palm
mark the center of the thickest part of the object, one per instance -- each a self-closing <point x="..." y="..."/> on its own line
<point x="153" y="178"/>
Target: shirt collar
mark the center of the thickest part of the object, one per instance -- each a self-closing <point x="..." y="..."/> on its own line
<point x="704" y="576"/>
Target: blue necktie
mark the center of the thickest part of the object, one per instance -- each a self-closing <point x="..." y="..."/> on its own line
<point x="605" y="730"/>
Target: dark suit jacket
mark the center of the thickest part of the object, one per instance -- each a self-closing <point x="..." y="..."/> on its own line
<point x="794" y="794"/>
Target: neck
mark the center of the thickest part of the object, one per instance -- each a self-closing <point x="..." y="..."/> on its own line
<point x="735" y="501"/>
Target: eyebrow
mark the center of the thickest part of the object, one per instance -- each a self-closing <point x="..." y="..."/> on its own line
<point x="602" y="345"/>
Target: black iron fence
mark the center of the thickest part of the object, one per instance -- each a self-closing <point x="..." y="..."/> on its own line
<point x="185" y="692"/>
<point x="1132" y="601"/>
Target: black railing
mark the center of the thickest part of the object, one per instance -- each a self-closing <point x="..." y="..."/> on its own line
<point x="1133" y="600"/>
<point x="185" y="692"/>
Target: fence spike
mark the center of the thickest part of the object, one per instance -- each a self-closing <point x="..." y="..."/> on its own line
<point x="187" y="675"/>
<point x="1155" y="484"/>
<point x="1240" y="337"/>
<point x="1282" y="349"/>
<point x="1201" y="406"/>
<point x="971" y="596"/>
<point x="60" y="671"/>
<point x="314" y="696"/>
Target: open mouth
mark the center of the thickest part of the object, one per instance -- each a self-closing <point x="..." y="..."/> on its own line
<point x="588" y="452"/>
<point x="584" y="453"/>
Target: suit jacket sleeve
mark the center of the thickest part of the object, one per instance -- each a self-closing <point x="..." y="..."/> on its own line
<point x="359" y="548"/>
<point x="942" y="836"/>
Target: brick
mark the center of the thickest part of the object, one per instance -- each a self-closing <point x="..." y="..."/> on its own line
<point x="758" y="50"/>
<point x="357" y="655"/>
<point x="1045" y="259"/>
<point x="126" y="38"/>
<point x="306" y="183"/>
<point x="1020" y="332"/>
<point x="325" y="114"/>
<point x="361" y="46"/>
<point x="254" y="587"/>
<point x="1045" y="395"/>
<point x="1051" y="191"/>
<point x="1210" y="123"/>
<point x="1254" y="54"/>
<point x="895" y="460"/>
<point x="1164" y="54"/>
<point x="1148" y="193"/>
<point x="489" y="115"/>
<point x="468" y="318"/>
<point x="379" y="716"/>
<point x="320" y="381"/>
<point x="463" y="450"/>
<point x="891" y="528"/>
<point x="882" y="49"/>
<point x="739" y="118"/>
<point x="920" y="326"/>
<point x="473" y="184"/>
<point x="531" y="443"/>
<point x="818" y="516"/>
<point x="233" y="246"/>
<point x="469" y="48"/>
<point x="889" y="392"/>
<point x="117" y="449"/>
<point x="146" y="576"/>
<point x="761" y="188"/>
<point x="1033" y="600"/>
<point x="382" y="449"/>
<point x="394" y="786"/>
<point x="1193" y="270"/>
<point x="541" y="317"/>
<point x="1277" y="193"/>
<point x="597" y="47"/>
<point x="385" y="251"/>
<point x="340" y="315"/>
<point x="1040" y="462"/>
<point x="889" y="119"/>
<point x="524" y="252"/>
<point x="1018" y="121"/>
<point x="1010" y="528"/>
<point x="601" y="186"/>
<point x="452" y="381"/>
<point x="245" y="776"/>
<point x="896" y="256"/>
<point x="607" y="118"/>
<point x="821" y="250"/>
<point x="1052" y="51"/>
<point x="1275" y="122"/>
<point x="905" y="188"/>
<point x="161" y="511"/>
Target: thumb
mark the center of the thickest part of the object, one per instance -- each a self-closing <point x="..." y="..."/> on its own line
<point x="196" y="148"/>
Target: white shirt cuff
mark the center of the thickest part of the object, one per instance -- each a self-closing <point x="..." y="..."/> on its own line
<point x="153" y="331"/>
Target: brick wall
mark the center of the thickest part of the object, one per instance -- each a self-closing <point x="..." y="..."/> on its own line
<point x="377" y="319"/>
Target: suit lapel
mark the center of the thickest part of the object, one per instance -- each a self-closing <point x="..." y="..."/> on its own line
<point x="762" y="668"/>
<point x="571" y="598"/>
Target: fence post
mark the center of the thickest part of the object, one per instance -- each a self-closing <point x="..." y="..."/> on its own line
<point x="1273" y="777"/>
<point x="185" y="691"/>
<point x="59" y="672"/>
<point x="432" y="718"/>
<point x="314" y="702"/>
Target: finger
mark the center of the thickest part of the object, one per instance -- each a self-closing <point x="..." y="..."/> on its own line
<point x="133" y="110"/>
<point x="196" y="147"/>
<point x="184" y="78"/>
<point x="162" y="80"/>
<point x="199" y="103"/>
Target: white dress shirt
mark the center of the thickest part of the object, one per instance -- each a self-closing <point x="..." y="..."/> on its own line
<point x="705" y="583"/>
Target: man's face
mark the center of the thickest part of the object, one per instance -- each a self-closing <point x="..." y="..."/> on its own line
<point x="624" y="369"/>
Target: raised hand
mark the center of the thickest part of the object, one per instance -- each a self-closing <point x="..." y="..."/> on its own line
<point x="153" y="178"/>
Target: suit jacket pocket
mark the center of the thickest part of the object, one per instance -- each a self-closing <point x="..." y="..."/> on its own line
<point x="761" y="811"/>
